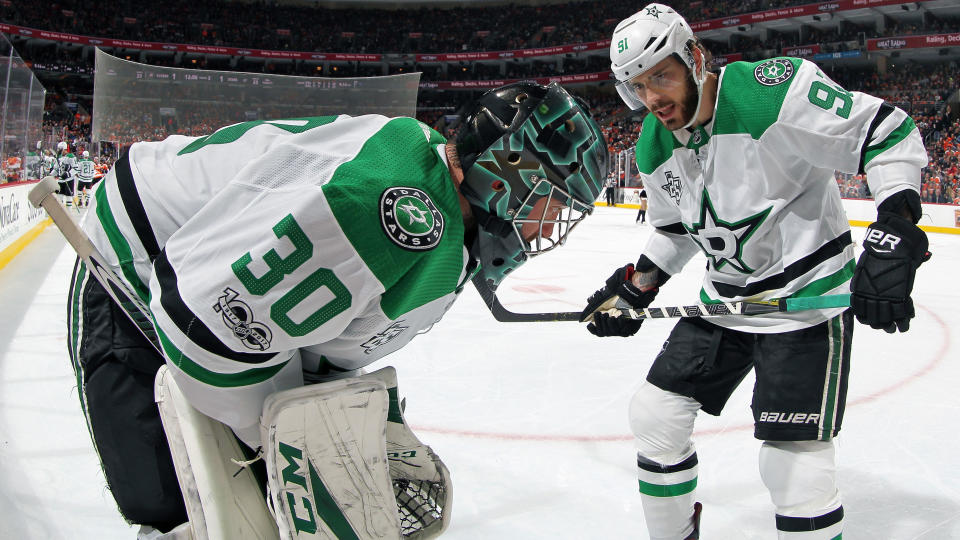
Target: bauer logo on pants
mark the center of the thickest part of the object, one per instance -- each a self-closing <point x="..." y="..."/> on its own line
<point x="410" y="218"/>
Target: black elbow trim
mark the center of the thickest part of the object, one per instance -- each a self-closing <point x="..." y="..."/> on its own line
<point x="673" y="228"/>
<point x="906" y="199"/>
<point x="885" y="110"/>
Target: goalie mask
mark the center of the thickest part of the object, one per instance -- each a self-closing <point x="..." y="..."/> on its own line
<point x="643" y="40"/>
<point x="534" y="161"/>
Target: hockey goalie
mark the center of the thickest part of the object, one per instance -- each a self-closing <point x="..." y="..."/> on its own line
<point x="263" y="267"/>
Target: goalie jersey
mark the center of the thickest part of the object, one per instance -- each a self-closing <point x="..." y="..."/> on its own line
<point x="754" y="189"/>
<point x="273" y="251"/>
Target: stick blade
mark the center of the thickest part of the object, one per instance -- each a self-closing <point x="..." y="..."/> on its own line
<point x="502" y="314"/>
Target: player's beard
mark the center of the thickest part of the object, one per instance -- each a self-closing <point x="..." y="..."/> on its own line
<point x="687" y="105"/>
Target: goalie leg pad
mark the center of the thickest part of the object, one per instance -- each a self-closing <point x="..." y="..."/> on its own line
<point x="326" y="460"/>
<point x="421" y="481"/>
<point x="223" y="499"/>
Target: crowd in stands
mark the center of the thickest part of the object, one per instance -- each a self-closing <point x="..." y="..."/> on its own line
<point x="305" y="28"/>
<point x="920" y="89"/>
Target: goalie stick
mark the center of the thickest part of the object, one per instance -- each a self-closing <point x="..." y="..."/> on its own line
<point x="119" y="291"/>
<point x="502" y="314"/>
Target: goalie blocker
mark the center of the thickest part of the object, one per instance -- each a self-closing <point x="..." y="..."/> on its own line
<point x="341" y="462"/>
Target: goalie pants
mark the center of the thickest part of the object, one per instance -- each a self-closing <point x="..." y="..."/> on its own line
<point x="115" y="368"/>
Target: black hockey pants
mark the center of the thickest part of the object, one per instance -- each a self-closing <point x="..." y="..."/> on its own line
<point x="115" y="368"/>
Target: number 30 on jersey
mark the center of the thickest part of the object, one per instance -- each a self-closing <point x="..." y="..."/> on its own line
<point x="280" y="268"/>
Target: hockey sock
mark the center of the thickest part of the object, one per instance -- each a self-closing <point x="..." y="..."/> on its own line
<point x="802" y="479"/>
<point x="668" y="494"/>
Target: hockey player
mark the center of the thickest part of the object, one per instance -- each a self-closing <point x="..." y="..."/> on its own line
<point x="48" y="164"/>
<point x="63" y="170"/>
<point x="84" y="173"/>
<point x="278" y="253"/>
<point x="33" y="162"/>
<point x="741" y="166"/>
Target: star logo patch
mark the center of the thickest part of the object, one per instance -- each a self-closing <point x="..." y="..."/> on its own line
<point x="773" y="72"/>
<point x="723" y="241"/>
<point x="410" y="218"/>
<point x="654" y="11"/>
<point x="673" y="187"/>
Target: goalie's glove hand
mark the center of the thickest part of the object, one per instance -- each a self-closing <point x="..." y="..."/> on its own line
<point x="618" y="292"/>
<point x="883" y="279"/>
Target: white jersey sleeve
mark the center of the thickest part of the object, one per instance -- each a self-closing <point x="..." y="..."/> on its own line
<point x="850" y="132"/>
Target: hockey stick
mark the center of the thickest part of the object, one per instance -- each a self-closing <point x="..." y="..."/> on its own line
<point x="503" y="314"/>
<point x="118" y="290"/>
<point x="782" y="305"/>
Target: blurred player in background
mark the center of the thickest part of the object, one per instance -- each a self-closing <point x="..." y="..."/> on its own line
<point x="278" y="253"/>
<point x="63" y="163"/>
<point x="84" y="173"/>
<point x="741" y="166"/>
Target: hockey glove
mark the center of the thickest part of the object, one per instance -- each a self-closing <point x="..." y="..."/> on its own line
<point x="880" y="291"/>
<point x="620" y="291"/>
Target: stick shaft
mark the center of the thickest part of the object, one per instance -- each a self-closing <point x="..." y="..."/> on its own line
<point x="502" y="314"/>
<point x="119" y="291"/>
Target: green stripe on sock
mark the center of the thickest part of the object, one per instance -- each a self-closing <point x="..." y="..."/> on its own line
<point x="670" y="490"/>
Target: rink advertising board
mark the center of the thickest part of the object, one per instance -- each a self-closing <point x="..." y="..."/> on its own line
<point x="788" y="12"/>
<point x="913" y="42"/>
<point x="725" y="22"/>
<point x="17" y="217"/>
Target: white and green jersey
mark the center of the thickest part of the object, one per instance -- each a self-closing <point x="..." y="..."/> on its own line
<point x="754" y="189"/>
<point x="271" y="251"/>
<point x="32" y="164"/>
<point x="85" y="169"/>
<point x="63" y="169"/>
<point x="49" y="165"/>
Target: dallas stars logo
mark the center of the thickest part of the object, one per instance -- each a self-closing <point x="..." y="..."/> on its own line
<point x="723" y="241"/>
<point x="673" y="187"/>
<point x="417" y="214"/>
<point x="654" y="11"/>
<point x="773" y="72"/>
<point x="410" y="218"/>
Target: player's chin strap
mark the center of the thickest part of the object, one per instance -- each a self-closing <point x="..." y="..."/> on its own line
<point x="698" y="81"/>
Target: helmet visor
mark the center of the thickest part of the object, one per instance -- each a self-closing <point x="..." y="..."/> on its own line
<point x="550" y="214"/>
<point x="659" y="79"/>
